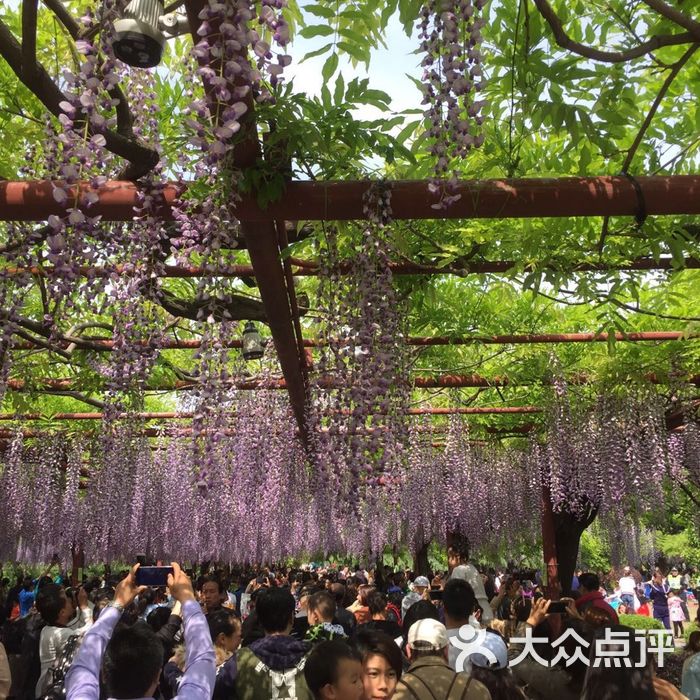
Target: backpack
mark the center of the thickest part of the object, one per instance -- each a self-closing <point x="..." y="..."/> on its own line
<point x="55" y="685"/>
<point x="255" y="680"/>
<point x="33" y="625"/>
<point x="12" y="635"/>
<point x="458" y="690"/>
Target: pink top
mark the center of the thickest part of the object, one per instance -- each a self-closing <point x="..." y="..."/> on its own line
<point x="675" y="609"/>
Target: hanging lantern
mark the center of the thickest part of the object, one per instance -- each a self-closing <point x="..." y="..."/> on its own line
<point x="253" y="348"/>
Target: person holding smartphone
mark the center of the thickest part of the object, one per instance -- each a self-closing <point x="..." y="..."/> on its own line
<point x="130" y="659"/>
<point x="57" y="607"/>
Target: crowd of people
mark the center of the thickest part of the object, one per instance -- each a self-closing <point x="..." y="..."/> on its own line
<point x="652" y="593"/>
<point x="335" y="633"/>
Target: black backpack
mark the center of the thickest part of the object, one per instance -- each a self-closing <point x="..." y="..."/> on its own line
<point x="55" y="686"/>
<point x="12" y="635"/>
<point x="32" y="626"/>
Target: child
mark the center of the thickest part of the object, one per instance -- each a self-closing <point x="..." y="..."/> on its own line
<point x="643" y="608"/>
<point x="676" y="613"/>
<point x="333" y="671"/>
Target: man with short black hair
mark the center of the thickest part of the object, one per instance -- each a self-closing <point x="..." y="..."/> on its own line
<point x="429" y="677"/>
<point x="278" y="659"/>
<point x="134" y="655"/>
<point x="334" y="672"/>
<point x="137" y="649"/>
<point x="459" y="604"/>
<point x="591" y="597"/>
<point x="380" y="622"/>
<point x="321" y="612"/>
<point x="211" y="595"/>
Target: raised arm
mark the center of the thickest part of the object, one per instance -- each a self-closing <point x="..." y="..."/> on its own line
<point x="83" y="677"/>
<point x="200" y="661"/>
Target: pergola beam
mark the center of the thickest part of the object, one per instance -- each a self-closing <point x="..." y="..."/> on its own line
<point x="442" y="381"/>
<point x="107" y="345"/>
<point x="311" y="269"/>
<point x="342" y="201"/>
<point x="188" y="415"/>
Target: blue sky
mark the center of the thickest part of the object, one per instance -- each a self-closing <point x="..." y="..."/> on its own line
<point x="387" y="70"/>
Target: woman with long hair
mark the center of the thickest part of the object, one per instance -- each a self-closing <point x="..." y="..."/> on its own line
<point x="633" y="678"/>
<point x="360" y="607"/>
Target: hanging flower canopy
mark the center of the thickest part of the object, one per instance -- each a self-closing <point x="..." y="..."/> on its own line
<point x="255" y="496"/>
<point x="148" y="214"/>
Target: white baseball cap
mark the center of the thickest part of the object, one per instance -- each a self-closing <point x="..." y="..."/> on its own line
<point x="421" y="581"/>
<point x="428" y="633"/>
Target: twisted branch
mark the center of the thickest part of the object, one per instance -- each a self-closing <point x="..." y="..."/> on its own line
<point x="125" y="121"/>
<point x="676" y="16"/>
<point x="29" y="12"/>
<point x="645" y="125"/>
<point x="566" y="42"/>
<point x="141" y="158"/>
<point x="78" y="396"/>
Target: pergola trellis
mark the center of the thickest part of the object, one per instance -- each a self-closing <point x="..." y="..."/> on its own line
<point x="603" y="196"/>
<point x="265" y="237"/>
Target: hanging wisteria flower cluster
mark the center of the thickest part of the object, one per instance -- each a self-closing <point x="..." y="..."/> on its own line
<point x="264" y="501"/>
<point x="604" y="457"/>
<point x="230" y="81"/>
<point x="487" y="495"/>
<point x="357" y="421"/>
<point x="450" y="33"/>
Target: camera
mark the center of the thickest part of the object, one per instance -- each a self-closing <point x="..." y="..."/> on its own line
<point x="140" y="34"/>
<point x="436" y="593"/>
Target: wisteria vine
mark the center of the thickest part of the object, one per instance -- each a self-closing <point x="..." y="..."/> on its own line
<point x="450" y="34"/>
<point x="264" y="501"/>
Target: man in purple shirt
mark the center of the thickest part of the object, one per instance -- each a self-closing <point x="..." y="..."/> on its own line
<point x="134" y="658"/>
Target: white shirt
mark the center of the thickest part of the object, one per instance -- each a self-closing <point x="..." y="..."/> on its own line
<point x="454" y="651"/>
<point x="52" y="641"/>
<point x="627" y="585"/>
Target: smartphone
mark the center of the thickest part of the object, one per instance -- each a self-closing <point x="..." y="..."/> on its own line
<point x="557" y="606"/>
<point x="154" y="576"/>
<point x="436" y="594"/>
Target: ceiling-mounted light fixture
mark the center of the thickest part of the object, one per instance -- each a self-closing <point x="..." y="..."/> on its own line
<point x="253" y="348"/>
<point x="141" y="32"/>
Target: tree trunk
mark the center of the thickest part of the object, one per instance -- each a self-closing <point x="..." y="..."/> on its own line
<point x="421" y="566"/>
<point x="78" y="566"/>
<point x="379" y="578"/>
<point x="549" y="547"/>
<point x="567" y="533"/>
